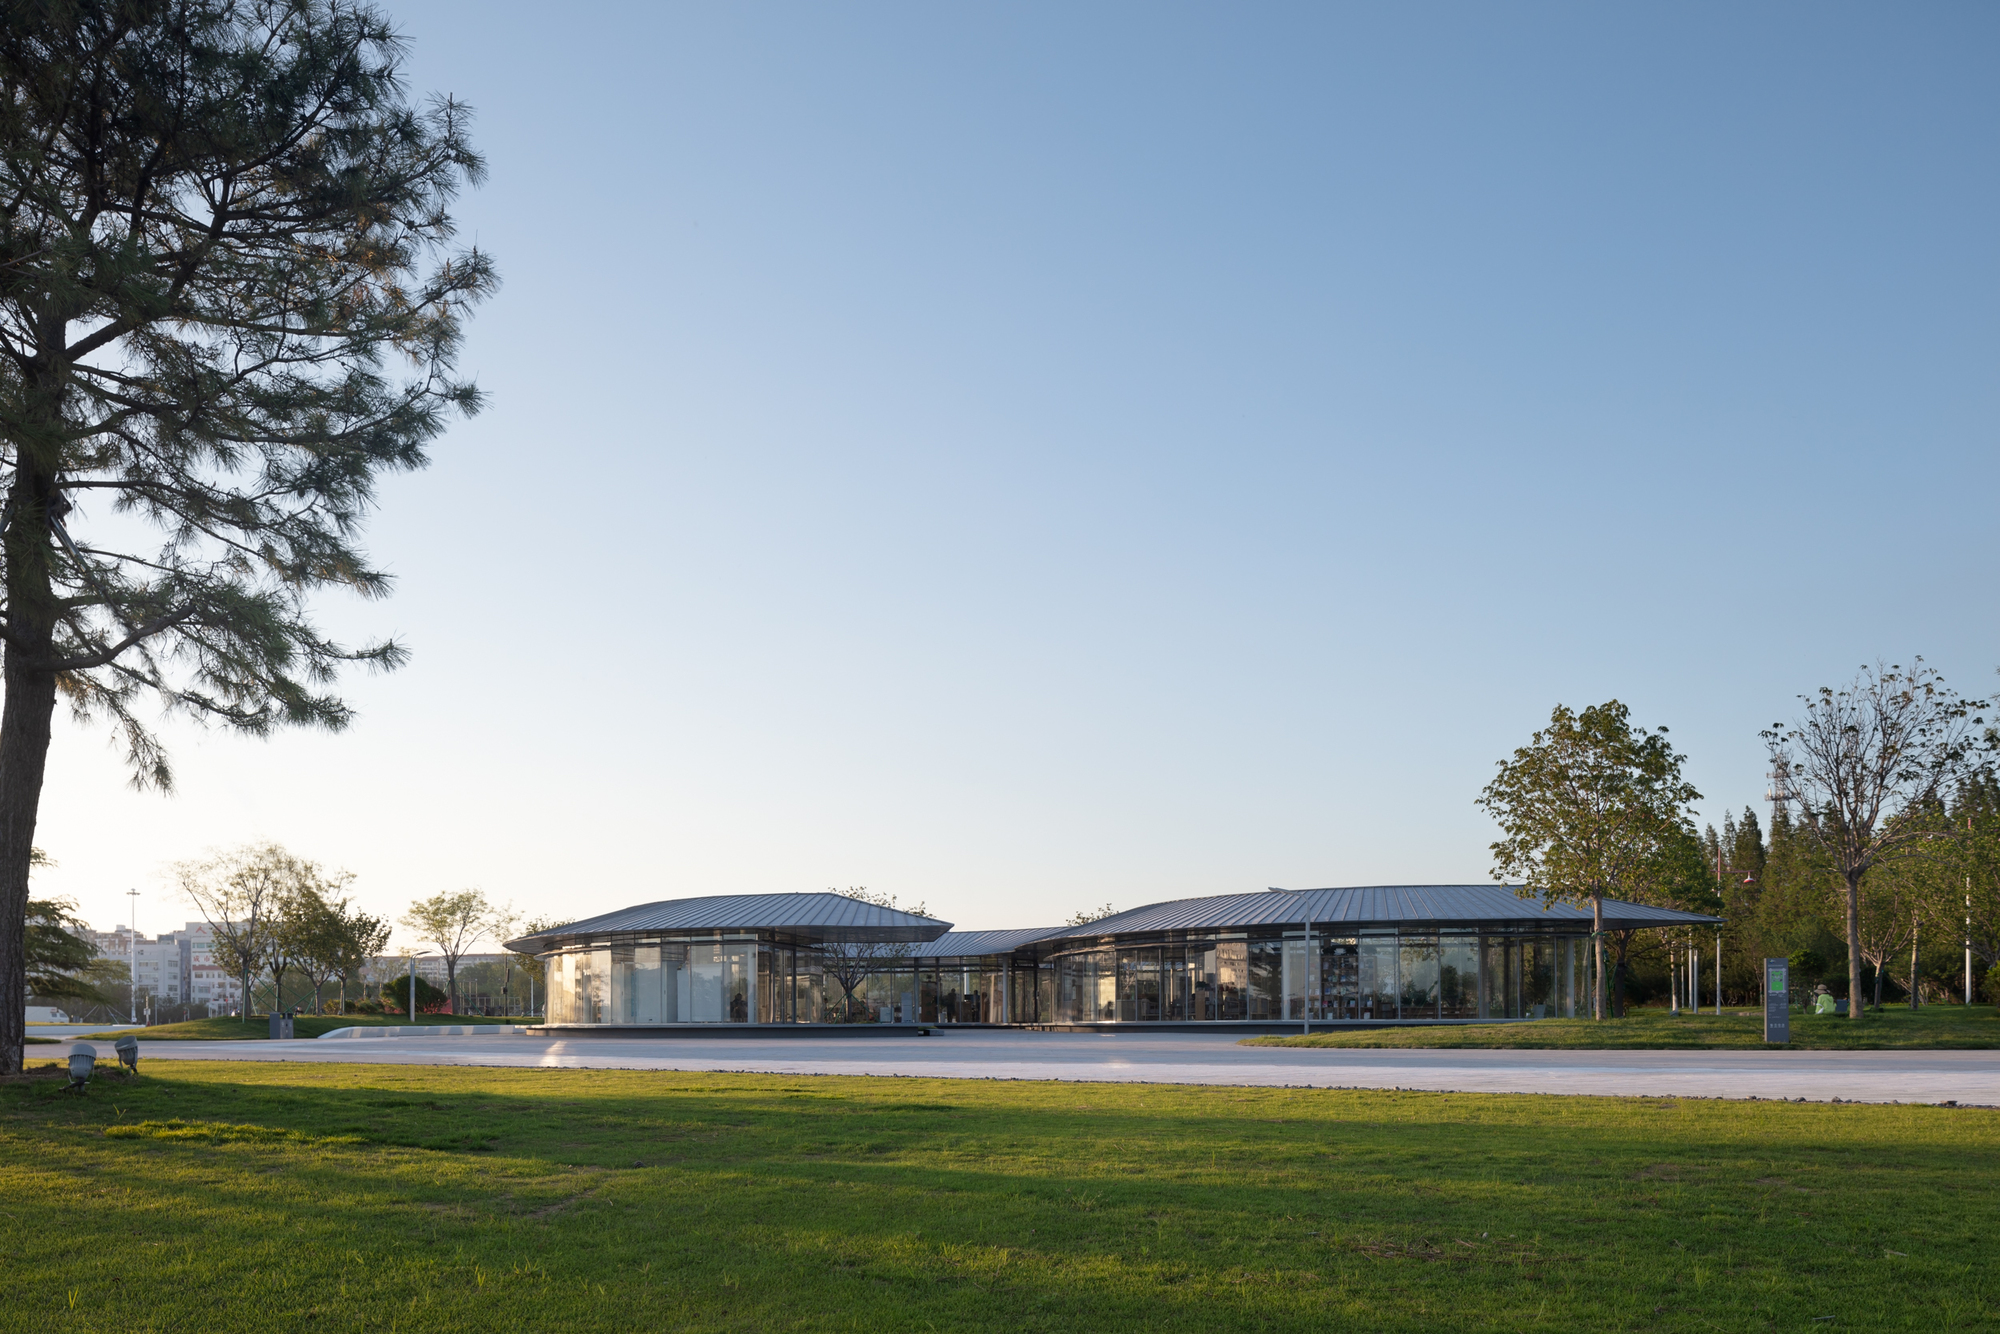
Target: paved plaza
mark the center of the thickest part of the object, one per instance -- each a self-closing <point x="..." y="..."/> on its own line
<point x="1964" y="1077"/>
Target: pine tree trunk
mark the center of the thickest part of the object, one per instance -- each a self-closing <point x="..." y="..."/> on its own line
<point x="24" y="730"/>
<point x="1854" y="946"/>
<point x="24" y="753"/>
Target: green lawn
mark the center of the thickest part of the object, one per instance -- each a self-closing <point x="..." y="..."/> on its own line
<point x="254" y="1197"/>
<point x="1936" y="1027"/>
<point x="305" y="1026"/>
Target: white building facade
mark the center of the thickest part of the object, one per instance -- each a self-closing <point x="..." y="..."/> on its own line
<point x="177" y="968"/>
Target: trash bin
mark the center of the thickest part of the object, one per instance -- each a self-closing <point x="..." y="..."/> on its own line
<point x="281" y="1026"/>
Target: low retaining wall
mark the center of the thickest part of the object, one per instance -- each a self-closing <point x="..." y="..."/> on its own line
<point x="414" y="1031"/>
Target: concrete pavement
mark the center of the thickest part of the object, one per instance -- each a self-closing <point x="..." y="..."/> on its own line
<point x="1964" y="1077"/>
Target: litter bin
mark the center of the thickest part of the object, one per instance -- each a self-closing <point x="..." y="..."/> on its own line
<point x="281" y="1026"/>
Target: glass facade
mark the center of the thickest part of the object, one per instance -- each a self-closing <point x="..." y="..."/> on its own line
<point x="1282" y="976"/>
<point x="1375" y="975"/>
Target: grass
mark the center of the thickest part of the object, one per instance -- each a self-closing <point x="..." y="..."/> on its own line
<point x="1934" y="1028"/>
<point x="258" y="1197"/>
<point x="305" y="1026"/>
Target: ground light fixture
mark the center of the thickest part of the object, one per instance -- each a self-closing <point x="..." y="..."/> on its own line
<point x="82" y="1060"/>
<point x="127" y="1048"/>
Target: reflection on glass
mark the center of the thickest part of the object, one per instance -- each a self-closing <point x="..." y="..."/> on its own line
<point x="1265" y="994"/>
<point x="1201" y="974"/>
<point x="1138" y="985"/>
<point x="1232" y="969"/>
<point x="1503" y="978"/>
<point x="1538" y="978"/>
<point x="1298" y="985"/>
<point x="595" y="1000"/>
<point x="1176" y="986"/>
<point x="646" y="989"/>
<point x="1458" y="977"/>
<point x="1380" y="991"/>
<point x="1420" y="978"/>
<point x="1339" y="980"/>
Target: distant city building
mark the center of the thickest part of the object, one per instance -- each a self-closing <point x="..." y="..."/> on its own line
<point x="178" y="967"/>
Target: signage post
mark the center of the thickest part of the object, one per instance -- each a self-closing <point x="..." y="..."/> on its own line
<point x="1777" y="1001"/>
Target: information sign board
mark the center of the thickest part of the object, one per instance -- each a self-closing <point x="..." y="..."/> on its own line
<point x="1777" y="1001"/>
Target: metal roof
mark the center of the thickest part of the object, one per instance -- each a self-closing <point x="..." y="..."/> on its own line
<point x="812" y="916"/>
<point x="1371" y="905"/>
<point x="967" y="944"/>
<point x="836" y="917"/>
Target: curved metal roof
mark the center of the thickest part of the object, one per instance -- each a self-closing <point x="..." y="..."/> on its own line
<point x="812" y="916"/>
<point x="1369" y="905"/>
<point x="969" y="944"/>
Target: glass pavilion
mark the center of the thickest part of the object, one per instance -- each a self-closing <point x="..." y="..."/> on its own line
<point x="1400" y="953"/>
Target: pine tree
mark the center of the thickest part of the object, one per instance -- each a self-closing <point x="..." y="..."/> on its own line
<point x="227" y="306"/>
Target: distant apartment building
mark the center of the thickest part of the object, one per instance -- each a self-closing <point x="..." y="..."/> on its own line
<point x="178" y="967"/>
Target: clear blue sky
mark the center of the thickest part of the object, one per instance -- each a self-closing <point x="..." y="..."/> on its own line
<point x="1028" y="456"/>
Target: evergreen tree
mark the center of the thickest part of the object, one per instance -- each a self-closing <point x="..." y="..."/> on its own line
<point x="226" y="308"/>
<point x="1744" y="856"/>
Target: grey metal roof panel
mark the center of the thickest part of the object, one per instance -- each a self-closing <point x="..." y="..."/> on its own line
<point x="970" y="944"/>
<point x="814" y="916"/>
<point x="1384" y="905"/>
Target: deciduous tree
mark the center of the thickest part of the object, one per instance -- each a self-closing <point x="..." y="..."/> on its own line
<point x="1591" y="808"/>
<point x="228" y="304"/>
<point x="454" y="921"/>
<point x="237" y="893"/>
<point x="1864" y="769"/>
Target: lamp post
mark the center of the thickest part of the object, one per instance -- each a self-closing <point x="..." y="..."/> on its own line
<point x="132" y="992"/>
<point x="413" y="983"/>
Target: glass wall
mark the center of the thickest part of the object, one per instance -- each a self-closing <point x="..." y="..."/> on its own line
<point x="1458" y="977"/>
<point x="961" y="994"/>
<point x="1264" y="994"/>
<point x="888" y="997"/>
<point x="1419" y="959"/>
<point x="1339" y="978"/>
<point x="1372" y="975"/>
<point x="1381" y="989"/>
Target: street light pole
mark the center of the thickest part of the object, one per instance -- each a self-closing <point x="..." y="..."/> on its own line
<point x="132" y="991"/>
<point x="413" y="982"/>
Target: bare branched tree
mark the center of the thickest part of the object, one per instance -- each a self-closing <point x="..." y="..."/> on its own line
<point x="239" y="893"/>
<point x="850" y="963"/>
<point x="1867" y="767"/>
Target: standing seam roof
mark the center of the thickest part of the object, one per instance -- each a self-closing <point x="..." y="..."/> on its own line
<point x="815" y="916"/>
<point x="1365" y="905"/>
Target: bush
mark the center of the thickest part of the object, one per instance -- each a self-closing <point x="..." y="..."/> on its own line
<point x="1993" y="984"/>
<point x="396" y="997"/>
<point x="368" y="1007"/>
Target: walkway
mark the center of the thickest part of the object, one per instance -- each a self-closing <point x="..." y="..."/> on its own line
<point x="1965" y="1077"/>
